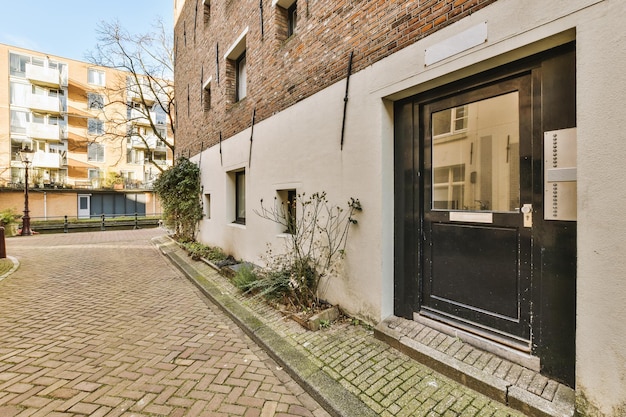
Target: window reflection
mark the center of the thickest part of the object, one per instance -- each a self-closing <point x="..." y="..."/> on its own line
<point x="475" y="156"/>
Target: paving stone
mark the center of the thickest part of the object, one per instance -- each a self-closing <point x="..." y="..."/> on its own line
<point x="91" y="331"/>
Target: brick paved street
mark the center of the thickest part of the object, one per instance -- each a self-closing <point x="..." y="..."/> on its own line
<point x="101" y="324"/>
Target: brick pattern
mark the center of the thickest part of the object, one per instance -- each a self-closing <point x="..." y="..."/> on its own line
<point x="514" y="374"/>
<point x="283" y="71"/>
<point x="387" y="381"/>
<point x="101" y="324"/>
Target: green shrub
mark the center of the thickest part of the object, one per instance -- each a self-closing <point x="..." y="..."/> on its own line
<point x="245" y="278"/>
<point x="9" y="219"/>
<point x="179" y="190"/>
<point x="318" y="234"/>
<point x="199" y="250"/>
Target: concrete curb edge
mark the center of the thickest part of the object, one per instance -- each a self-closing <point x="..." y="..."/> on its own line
<point x="331" y="395"/>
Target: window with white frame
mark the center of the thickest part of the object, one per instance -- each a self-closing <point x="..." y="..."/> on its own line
<point x="450" y="121"/>
<point x="93" y="174"/>
<point x="19" y="121"/>
<point x="449" y="187"/>
<point x="95" y="127"/>
<point x="19" y="93"/>
<point x="96" y="77"/>
<point x="95" y="152"/>
<point x="95" y="101"/>
<point x="17" y="64"/>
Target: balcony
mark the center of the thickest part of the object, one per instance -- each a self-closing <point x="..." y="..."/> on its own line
<point x="139" y="118"/>
<point x="152" y="141"/>
<point x="44" y="76"/>
<point x="44" y="104"/>
<point x="44" y="132"/>
<point x="134" y="93"/>
<point x="47" y="160"/>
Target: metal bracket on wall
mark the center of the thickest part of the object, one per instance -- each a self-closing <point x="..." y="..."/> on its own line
<point x="345" y="99"/>
<point x="261" y="17"/>
<point x="251" y="133"/>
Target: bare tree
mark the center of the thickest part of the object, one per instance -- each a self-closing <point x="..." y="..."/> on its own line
<point x="144" y="94"/>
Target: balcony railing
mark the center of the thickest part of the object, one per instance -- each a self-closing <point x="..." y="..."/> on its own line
<point x="44" y="104"/>
<point x="133" y="93"/>
<point x="139" y="118"/>
<point x="153" y="142"/>
<point x="45" y="76"/>
<point x="47" y="160"/>
<point x="44" y="132"/>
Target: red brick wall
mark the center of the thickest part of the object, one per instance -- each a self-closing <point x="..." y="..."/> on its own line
<point x="283" y="71"/>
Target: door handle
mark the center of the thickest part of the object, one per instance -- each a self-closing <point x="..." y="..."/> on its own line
<point x="527" y="212"/>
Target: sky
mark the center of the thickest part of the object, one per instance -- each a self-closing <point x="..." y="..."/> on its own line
<point x="67" y="28"/>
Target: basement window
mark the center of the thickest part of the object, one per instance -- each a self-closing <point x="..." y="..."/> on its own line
<point x="240" y="197"/>
<point x="207" y="206"/>
<point x="287" y="200"/>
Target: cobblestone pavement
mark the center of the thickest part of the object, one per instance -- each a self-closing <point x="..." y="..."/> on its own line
<point x="344" y="366"/>
<point x="101" y="324"/>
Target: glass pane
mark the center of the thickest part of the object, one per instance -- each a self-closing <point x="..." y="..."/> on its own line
<point x="475" y="151"/>
<point x="441" y="122"/>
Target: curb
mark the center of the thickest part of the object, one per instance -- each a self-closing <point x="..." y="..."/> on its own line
<point x="16" y="264"/>
<point x="329" y="393"/>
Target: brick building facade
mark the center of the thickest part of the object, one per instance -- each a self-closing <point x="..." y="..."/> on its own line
<point x="481" y="138"/>
<point x="282" y="69"/>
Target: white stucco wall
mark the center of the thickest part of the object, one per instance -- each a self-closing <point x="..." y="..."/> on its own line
<point x="300" y="148"/>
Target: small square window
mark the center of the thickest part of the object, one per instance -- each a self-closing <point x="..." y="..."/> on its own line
<point x="95" y="101"/>
<point x="95" y="152"/>
<point x="95" y="127"/>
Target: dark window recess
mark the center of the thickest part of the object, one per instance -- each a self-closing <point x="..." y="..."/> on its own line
<point x="206" y="98"/>
<point x="241" y="77"/>
<point x="290" y="211"/>
<point x="240" y="197"/>
<point x="292" y="18"/>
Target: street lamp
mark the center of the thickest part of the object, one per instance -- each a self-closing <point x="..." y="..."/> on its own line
<point x="26" y="155"/>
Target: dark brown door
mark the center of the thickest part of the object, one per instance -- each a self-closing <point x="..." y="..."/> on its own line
<point x="477" y="209"/>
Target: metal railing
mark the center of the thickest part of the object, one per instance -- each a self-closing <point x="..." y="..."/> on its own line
<point x="65" y="224"/>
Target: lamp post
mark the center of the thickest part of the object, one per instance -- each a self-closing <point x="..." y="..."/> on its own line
<point x="26" y="157"/>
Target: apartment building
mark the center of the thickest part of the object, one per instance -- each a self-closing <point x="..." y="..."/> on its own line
<point x="90" y="127"/>
<point x="482" y="138"/>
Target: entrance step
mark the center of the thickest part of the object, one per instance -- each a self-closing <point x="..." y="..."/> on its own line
<point x="496" y="376"/>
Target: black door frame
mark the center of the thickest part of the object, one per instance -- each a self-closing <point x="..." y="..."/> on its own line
<point x="554" y="242"/>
